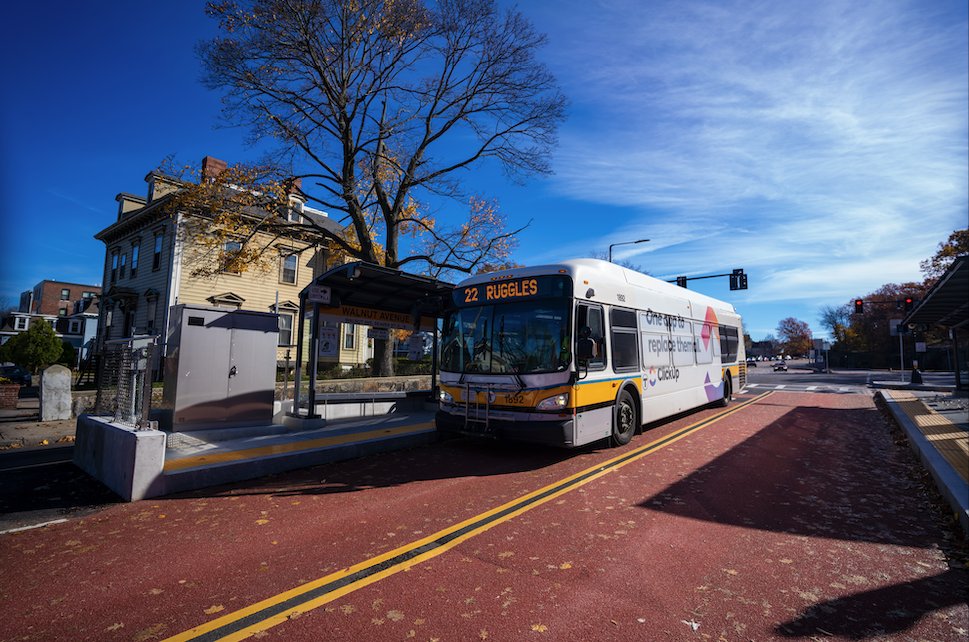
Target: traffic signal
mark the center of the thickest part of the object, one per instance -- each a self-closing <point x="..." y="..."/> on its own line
<point x="738" y="280"/>
<point x="681" y="281"/>
<point x="859" y="306"/>
<point x="909" y="303"/>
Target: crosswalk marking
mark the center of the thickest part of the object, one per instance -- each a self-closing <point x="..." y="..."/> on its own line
<point x="812" y="388"/>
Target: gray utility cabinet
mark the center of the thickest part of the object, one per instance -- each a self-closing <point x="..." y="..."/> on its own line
<point x="221" y="367"/>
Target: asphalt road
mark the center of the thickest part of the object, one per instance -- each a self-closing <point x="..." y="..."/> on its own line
<point x="797" y="516"/>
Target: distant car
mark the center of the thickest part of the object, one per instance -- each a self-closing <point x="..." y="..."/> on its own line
<point x="16" y="374"/>
<point x="751" y="363"/>
<point x="780" y="366"/>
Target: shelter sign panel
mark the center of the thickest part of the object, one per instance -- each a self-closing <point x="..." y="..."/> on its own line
<point x="373" y="317"/>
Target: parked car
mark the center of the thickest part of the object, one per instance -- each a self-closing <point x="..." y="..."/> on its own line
<point x="751" y="363"/>
<point x="780" y="366"/>
<point x="17" y="374"/>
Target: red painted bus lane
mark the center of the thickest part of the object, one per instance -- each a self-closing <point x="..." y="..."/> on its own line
<point x="795" y="516"/>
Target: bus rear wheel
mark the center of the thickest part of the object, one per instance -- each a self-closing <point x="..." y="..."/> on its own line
<point x="624" y="419"/>
<point x="727" y="392"/>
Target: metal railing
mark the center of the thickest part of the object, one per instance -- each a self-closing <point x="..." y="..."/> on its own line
<point x="124" y="381"/>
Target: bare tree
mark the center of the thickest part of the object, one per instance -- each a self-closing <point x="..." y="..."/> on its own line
<point x="384" y="104"/>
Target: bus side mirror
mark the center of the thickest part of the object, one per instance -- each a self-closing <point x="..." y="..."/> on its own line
<point x="587" y="349"/>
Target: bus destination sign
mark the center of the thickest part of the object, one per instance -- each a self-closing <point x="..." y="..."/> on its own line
<point x="510" y="290"/>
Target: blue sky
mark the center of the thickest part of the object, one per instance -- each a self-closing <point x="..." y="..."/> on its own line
<point x="820" y="145"/>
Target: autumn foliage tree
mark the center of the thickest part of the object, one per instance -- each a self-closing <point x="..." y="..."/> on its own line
<point x="379" y="107"/>
<point x="795" y="336"/>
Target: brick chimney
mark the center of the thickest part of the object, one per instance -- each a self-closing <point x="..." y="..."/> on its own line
<point x="212" y="167"/>
<point x="293" y="185"/>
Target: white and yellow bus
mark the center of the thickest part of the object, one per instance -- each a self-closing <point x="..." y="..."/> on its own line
<point x="580" y="351"/>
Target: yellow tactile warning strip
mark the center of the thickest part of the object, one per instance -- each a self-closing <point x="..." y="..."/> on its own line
<point x="952" y="443"/>
<point x="277" y="609"/>
<point x="209" y="459"/>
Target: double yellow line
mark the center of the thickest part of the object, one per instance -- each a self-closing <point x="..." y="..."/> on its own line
<point x="266" y="614"/>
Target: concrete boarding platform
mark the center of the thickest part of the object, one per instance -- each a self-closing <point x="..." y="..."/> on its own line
<point x="937" y="427"/>
<point x="137" y="464"/>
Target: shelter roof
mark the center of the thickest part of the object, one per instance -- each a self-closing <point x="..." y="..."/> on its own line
<point x="377" y="287"/>
<point x="947" y="302"/>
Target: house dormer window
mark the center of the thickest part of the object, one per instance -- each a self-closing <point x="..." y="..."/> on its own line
<point x="295" y="212"/>
<point x="20" y="323"/>
<point x="74" y="327"/>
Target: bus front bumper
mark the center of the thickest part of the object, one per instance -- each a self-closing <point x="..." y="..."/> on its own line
<point x="553" y="433"/>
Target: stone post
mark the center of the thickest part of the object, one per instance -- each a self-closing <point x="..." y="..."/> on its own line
<point x="55" y="393"/>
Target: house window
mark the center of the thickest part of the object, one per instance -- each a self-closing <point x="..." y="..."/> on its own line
<point x="121" y="266"/>
<point x="135" y="247"/>
<point x="287" y="268"/>
<point x="114" y="267"/>
<point x="230" y="251"/>
<point x="294" y="215"/>
<point x="285" y="329"/>
<point x="65" y="295"/>
<point x="74" y="327"/>
<point x="20" y="323"/>
<point x="87" y="295"/>
<point x="349" y="336"/>
<point x="62" y="312"/>
<point x="152" y="306"/>
<point x="156" y="256"/>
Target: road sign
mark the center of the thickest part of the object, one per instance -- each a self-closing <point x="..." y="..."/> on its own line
<point x="895" y="327"/>
<point x="318" y="294"/>
<point x="378" y="333"/>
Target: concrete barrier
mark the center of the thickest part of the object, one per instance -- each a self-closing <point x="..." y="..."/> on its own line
<point x="128" y="461"/>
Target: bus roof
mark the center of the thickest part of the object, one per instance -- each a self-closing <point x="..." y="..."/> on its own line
<point x="597" y="271"/>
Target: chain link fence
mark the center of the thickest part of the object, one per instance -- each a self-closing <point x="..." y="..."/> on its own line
<point x="124" y="381"/>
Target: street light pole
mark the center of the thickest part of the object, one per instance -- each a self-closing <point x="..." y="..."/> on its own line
<point x="625" y="243"/>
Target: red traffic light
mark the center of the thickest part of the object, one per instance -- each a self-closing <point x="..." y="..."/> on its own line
<point x="859" y="306"/>
<point x="909" y="301"/>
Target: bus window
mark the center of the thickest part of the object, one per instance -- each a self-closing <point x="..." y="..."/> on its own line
<point x="591" y="317"/>
<point x="625" y="352"/>
<point x="729" y="339"/>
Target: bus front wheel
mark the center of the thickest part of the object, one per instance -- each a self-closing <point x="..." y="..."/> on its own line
<point x="624" y="419"/>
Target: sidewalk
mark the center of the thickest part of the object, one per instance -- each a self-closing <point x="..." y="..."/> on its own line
<point x="22" y="428"/>
<point x="937" y="426"/>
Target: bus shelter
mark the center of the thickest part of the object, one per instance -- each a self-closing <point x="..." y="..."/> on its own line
<point x="366" y="294"/>
<point x="946" y="305"/>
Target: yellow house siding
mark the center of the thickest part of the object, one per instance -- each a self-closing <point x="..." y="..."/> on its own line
<point x="257" y="287"/>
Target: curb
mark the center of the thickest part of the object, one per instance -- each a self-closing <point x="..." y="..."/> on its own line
<point x="953" y="488"/>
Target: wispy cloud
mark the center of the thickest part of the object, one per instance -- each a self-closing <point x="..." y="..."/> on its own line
<point x="835" y="129"/>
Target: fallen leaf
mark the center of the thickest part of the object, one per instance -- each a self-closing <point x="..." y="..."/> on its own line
<point x="540" y="628"/>
<point x="693" y="625"/>
<point x="262" y="521"/>
<point x="114" y="627"/>
<point x="215" y="608"/>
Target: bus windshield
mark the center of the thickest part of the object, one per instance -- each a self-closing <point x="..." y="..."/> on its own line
<point x="526" y="337"/>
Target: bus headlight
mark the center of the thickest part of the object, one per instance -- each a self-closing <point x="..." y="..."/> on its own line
<point x="445" y="396"/>
<point x="558" y="402"/>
